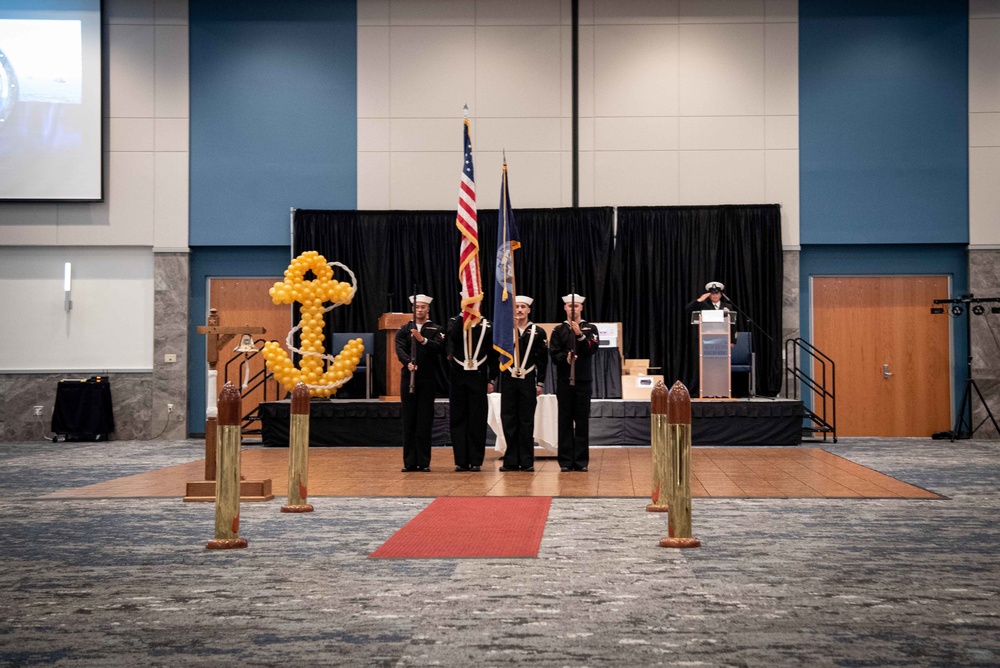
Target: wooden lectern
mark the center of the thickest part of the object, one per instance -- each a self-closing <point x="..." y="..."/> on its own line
<point x="389" y="323"/>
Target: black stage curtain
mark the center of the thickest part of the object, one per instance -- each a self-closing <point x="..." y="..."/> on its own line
<point x="389" y="251"/>
<point x="667" y="254"/>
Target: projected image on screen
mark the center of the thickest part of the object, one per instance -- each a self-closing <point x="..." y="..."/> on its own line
<point x="50" y="103"/>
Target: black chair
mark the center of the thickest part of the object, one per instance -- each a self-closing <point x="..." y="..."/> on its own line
<point x="360" y="386"/>
<point x="743" y="360"/>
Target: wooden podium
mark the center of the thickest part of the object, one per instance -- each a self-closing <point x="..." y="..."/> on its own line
<point x="389" y="324"/>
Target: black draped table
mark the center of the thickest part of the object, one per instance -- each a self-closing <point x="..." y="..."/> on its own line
<point x="82" y="410"/>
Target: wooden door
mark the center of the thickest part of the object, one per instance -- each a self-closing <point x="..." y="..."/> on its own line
<point x="872" y="324"/>
<point x="244" y="301"/>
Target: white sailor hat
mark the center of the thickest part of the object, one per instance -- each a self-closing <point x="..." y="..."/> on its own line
<point x="579" y="299"/>
<point x="423" y="299"/>
<point x="714" y="285"/>
<point x="521" y="299"/>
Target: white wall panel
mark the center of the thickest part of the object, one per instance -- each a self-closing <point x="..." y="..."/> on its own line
<point x="425" y="180"/>
<point x="172" y="134"/>
<point x="373" y="72"/>
<point x="781" y="68"/>
<point x="110" y="326"/>
<point x="782" y="187"/>
<point x="984" y="196"/>
<point x="427" y="134"/>
<point x="618" y="12"/>
<point x="374" y="134"/>
<point x="170" y="207"/>
<point x="432" y="12"/>
<point x="636" y="178"/>
<point x="721" y="132"/>
<point x="721" y="177"/>
<point x="533" y="176"/>
<point x="636" y="70"/>
<point x="722" y="70"/>
<point x="171" y="12"/>
<point x="518" y="134"/>
<point x="28" y="224"/>
<point x="373" y="13"/>
<point x="124" y="12"/>
<point x="517" y="71"/>
<point x="984" y="129"/>
<point x="131" y="134"/>
<point x="651" y="133"/>
<point x="781" y="11"/>
<point x="980" y="9"/>
<point x="125" y="217"/>
<point x="781" y="132"/>
<point x="984" y="63"/>
<point x="431" y="73"/>
<point x="721" y="11"/>
<point x="518" y="12"/>
<point x="373" y="181"/>
<point x="172" y="98"/>
<point x="131" y="69"/>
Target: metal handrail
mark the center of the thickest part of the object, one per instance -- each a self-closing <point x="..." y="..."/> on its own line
<point x="794" y="371"/>
<point x="261" y="378"/>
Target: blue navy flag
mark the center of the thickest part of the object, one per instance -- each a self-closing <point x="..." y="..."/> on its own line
<point x="506" y="287"/>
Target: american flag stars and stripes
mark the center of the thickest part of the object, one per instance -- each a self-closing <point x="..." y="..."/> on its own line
<point x="468" y="261"/>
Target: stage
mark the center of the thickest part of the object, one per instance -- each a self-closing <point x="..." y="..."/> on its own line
<point x="360" y="422"/>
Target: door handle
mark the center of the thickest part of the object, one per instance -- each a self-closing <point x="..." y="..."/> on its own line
<point x="885" y="371"/>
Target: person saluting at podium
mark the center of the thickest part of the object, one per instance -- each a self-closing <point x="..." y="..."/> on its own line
<point x="574" y="342"/>
<point x="713" y="299"/>
<point x="425" y="339"/>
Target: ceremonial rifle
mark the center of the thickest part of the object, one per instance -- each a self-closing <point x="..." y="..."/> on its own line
<point x="572" y="336"/>
<point x="413" y="344"/>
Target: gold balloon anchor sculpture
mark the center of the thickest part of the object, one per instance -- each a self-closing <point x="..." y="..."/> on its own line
<point x="313" y="294"/>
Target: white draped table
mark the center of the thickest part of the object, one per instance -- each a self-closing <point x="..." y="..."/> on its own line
<point x="546" y="423"/>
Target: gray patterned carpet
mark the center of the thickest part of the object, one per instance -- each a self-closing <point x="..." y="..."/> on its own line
<point x="126" y="582"/>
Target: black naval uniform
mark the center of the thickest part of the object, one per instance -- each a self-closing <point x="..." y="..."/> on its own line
<point x="574" y="400"/>
<point x="518" y="398"/>
<point x="468" y="402"/>
<point x="418" y="408"/>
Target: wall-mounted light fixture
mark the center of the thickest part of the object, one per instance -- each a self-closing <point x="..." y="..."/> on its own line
<point x="68" y="285"/>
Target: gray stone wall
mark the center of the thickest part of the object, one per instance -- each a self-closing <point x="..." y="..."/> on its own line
<point x="984" y="281"/>
<point x="790" y="327"/>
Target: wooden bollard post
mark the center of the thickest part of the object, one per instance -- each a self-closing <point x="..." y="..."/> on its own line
<point x="298" y="453"/>
<point x="678" y="469"/>
<point x="658" y="435"/>
<point x="227" y="483"/>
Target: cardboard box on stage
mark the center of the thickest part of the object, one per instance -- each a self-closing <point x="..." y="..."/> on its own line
<point x="637" y="387"/>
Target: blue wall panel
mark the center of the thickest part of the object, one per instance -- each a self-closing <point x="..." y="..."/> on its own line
<point x="273" y="116"/>
<point x="883" y="124"/>
<point x="229" y="262"/>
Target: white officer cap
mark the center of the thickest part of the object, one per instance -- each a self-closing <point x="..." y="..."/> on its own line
<point x="423" y="299"/>
<point x="714" y="285"/>
<point x="521" y="299"/>
<point x="579" y="299"/>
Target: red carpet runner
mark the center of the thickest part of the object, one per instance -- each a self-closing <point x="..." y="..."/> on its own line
<point x="471" y="527"/>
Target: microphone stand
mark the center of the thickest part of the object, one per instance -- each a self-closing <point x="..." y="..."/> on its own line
<point x="748" y="318"/>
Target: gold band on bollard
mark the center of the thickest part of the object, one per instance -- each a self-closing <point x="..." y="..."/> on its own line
<point x="227" y="484"/>
<point x="678" y="469"/>
<point x="658" y="447"/>
<point x="298" y="452"/>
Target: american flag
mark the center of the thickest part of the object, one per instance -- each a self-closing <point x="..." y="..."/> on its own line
<point x="468" y="257"/>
